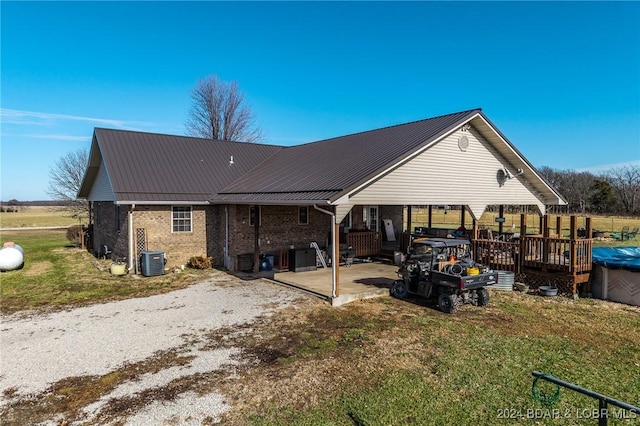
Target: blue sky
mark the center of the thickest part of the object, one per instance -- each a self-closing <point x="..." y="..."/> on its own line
<point x="560" y="80"/>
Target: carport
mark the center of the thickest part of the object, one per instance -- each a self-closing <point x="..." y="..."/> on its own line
<point x="457" y="159"/>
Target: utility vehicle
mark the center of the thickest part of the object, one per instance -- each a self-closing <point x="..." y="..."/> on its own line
<point x="443" y="269"/>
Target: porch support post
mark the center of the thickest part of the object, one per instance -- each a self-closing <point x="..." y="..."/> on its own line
<point x="500" y="214"/>
<point x="256" y="241"/>
<point x="559" y="226"/>
<point x="429" y="222"/>
<point x="336" y="257"/>
<point x="335" y="244"/>
<point x="462" y="215"/>
<point x="409" y="218"/>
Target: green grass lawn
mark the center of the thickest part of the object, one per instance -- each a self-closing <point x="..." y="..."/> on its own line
<point x="381" y="361"/>
<point x="57" y="274"/>
<point x="404" y="363"/>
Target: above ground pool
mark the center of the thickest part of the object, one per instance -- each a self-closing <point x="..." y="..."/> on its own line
<point x="616" y="274"/>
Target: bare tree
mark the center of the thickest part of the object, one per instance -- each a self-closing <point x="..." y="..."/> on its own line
<point x="575" y="187"/>
<point x="218" y="111"/>
<point x="65" y="178"/>
<point x="625" y="182"/>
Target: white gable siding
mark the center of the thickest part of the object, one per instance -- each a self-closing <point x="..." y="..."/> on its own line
<point x="101" y="189"/>
<point x="444" y="174"/>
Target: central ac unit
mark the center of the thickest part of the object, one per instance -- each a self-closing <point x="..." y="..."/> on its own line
<point x="152" y="263"/>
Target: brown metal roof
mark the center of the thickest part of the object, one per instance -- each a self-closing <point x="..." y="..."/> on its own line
<point x="153" y="167"/>
<point x="158" y="168"/>
<point x="330" y="167"/>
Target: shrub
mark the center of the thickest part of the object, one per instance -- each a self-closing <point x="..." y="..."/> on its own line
<point x="200" y="262"/>
<point x="73" y="234"/>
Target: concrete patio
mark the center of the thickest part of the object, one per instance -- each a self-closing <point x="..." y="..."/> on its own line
<point x="356" y="282"/>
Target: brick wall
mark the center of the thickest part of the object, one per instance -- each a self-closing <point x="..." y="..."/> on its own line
<point x="215" y="235"/>
<point x="178" y="246"/>
<point x="279" y="230"/>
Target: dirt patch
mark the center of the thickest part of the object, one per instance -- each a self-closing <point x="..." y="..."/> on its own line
<point x="310" y="351"/>
<point x="38" y="268"/>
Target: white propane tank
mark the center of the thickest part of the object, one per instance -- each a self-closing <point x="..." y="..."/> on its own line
<point x="11" y="256"/>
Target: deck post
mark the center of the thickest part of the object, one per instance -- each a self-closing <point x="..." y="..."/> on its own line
<point x="573" y="235"/>
<point x="500" y="224"/>
<point x="559" y="226"/>
<point x="462" y="215"/>
<point x="589" y="227"/>
<point x="541" y="223"/>
<point x="429" y="218"/>
<point x="409" y="218"/>
<point x="523" y="242"/>
<point x="545" y="239"/>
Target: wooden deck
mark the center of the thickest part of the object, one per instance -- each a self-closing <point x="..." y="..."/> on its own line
<point x="537" y="259"/>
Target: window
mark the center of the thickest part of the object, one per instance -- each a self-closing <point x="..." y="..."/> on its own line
<point x="181" y="219"/>
<point x="303" y="215"/>
<point x="370" y="217"/>
<point x="252" y="215"/>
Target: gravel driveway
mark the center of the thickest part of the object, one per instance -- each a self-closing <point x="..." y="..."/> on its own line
<point x="40" y="350"/>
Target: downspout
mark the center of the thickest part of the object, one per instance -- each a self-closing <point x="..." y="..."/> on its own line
<point x="334" y="262"/>
<point x="130" y="225"/>
<point x="226" y="237"/>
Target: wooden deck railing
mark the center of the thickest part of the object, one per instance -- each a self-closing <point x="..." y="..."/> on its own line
<point x="366" y="243"/>
<point x="546" y="254"/>
<point x="499" y="255"/>
<point x="543" y="253"/>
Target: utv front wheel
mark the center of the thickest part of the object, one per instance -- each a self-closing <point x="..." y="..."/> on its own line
<point x="447" y="303"/>
<point x="399" y="290"/>
<point x="483" y="297"/>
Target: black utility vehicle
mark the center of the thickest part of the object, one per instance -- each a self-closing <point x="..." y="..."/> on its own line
<point x="442" y="268"/>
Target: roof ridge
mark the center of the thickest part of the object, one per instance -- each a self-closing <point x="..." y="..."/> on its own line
<point x="395" y="125"/>
<point x="182" y="136"/>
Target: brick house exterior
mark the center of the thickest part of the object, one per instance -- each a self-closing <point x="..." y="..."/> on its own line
<point x="279" y="229"/>
<point x="197" y="197"/>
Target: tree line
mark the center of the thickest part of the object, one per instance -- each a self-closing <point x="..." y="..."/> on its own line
<point x="615" y="191"/>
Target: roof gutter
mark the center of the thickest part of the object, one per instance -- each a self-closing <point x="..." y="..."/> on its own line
<point x="271" y="202"/>
<point x="162" y="203"/>
<point x="334" y="262"/>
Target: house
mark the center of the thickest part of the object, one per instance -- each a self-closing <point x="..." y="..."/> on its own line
<point x="195" y="197"/>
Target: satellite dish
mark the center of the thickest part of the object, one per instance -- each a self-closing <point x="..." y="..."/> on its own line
<point x="501" y="177"/>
